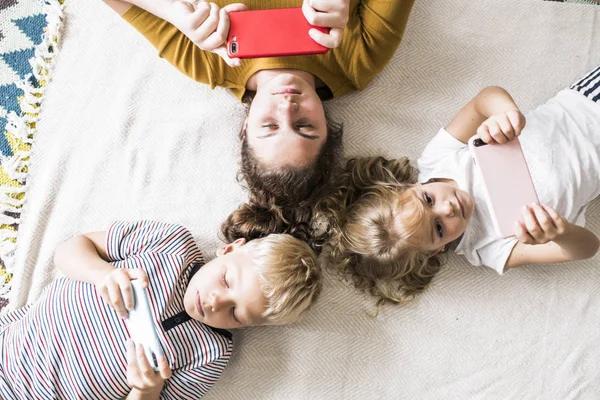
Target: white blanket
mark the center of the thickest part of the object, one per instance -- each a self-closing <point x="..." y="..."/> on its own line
<point x="124" y="135"/>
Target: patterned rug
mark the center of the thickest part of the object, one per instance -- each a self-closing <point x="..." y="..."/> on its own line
<point x="29" y="34"/>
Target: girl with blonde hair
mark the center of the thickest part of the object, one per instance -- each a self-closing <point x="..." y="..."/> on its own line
<point x="389" y="230"/>
<point x="368" y="244"/>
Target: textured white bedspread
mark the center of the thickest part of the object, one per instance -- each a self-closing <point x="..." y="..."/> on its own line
<point x="123" y="135"/>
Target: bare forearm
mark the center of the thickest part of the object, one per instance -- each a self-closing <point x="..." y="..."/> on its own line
<point x="493" y="100"/>
<point x="81" y="259"/>
<point x="578" y="243"/>
<point x="490" y="101"/>
<point x="137" y="395"/>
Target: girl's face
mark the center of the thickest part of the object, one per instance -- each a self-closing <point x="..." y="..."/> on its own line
<point x="286" y="123"/>
<point x="448" y="211"/>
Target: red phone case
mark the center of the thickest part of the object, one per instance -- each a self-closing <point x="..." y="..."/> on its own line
<point x="271" y="33"/>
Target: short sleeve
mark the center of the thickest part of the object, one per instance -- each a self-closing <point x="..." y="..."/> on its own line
<point x="127" y="239"/>
<point x="175" y="47"/>
<point x="495" y="254"/>
<point x="439" y="148"/>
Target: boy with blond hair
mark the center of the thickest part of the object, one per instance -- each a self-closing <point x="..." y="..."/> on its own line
<point x="73" y="342"/>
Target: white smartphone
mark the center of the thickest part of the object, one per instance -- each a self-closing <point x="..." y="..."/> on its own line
<point x="141" y="324"/>
<point x="507" y="181"/>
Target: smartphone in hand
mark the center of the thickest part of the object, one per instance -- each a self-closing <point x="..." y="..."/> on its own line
<point x="271" y="33"/>
<point x="142" y="326"/>
<point x="507" y="181"/>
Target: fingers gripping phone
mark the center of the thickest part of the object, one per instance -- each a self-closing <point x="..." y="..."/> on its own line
<point x="507" y="181"/>
<point x="271" y="33"/>
<point x="141" y="324"/>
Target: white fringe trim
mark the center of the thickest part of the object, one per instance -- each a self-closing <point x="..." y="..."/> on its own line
<point x="21" y="127"/>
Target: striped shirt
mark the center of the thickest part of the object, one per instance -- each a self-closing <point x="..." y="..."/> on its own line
<point x="589" y="85"/>
<point x="71" y="345"/>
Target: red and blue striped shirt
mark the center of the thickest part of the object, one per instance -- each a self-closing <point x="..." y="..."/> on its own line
<point x="71" y="345"/>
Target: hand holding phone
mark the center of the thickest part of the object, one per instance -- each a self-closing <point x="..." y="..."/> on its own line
<point x="205" y="24"/>
<point x="271" y="33"/>
<point x="333" y="14"/>
<point x="502" y="128"/>
<point x="541" y="224"/>
<point x="140" y="375"/>
<point x="115" y="288"/>
<point x="507" y="182"/>
<point x="142" y="327"/>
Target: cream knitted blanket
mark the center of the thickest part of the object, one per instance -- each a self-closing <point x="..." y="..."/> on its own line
<point x="123" y="135"/>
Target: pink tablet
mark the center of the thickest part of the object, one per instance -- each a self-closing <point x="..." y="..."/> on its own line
<point x="507" y="181"/>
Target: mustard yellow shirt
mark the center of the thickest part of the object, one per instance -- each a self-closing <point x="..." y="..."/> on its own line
<point x="370" y="39"/>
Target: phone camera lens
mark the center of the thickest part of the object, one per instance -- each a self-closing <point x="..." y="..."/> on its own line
<point x="233" y="48"/>
<point x="478" y="142"/>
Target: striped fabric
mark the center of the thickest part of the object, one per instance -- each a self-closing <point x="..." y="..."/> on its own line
<point x="71" y="345"/>
<point x="589" y="85"/>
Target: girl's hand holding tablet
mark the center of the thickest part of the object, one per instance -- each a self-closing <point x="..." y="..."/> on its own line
<point x="541" y="224"/>
<point x="502" y="128"/>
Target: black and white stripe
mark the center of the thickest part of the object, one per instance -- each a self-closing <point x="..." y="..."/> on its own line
<point x="589" y="85"/>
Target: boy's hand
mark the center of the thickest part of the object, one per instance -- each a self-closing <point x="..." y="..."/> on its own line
<point x="333" y="14"/>
<point x="115" y="288"/>
<point x="140" y="375"/>
<point x="541" y="224"/>
<point x="206" y="25"/>
<point x="502" y="128"/>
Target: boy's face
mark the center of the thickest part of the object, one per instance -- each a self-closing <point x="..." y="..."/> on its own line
<point x="226" y="292"/>
<point x="448" y="212"/>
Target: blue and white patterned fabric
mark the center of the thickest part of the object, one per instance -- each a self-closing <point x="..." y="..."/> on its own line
<point x="29" y="34"/>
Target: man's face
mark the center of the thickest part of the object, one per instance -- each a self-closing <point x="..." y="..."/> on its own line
<point x="226" y="292"/>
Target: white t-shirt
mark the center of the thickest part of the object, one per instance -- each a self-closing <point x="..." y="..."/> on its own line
<point x="561" y="143"/>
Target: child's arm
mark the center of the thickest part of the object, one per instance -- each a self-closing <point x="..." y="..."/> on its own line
<point x="546" y="237"/>
<point x="492" y="114"/>
<point x="145" y="382"/>
<point x="137" y="395"/>
<point x="84" y="258"/>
